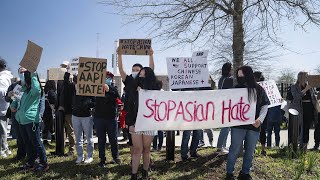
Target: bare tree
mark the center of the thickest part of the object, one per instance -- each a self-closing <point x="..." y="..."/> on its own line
<point x="318" y="69"/>
<point x="287" y="76"/>
<point x="200" y="22"/>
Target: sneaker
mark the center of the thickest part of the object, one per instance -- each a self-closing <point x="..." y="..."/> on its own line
<point x="102" y="164"/>
<point x="263" y="153"/>
<point x="316" y="147"/>
<point x="185" y="159"/>
<point x="201" y="144"/>
<point x="27" y="167"/>
<point x="116" y="161"/>
<point x="3" y="154"/>
<point x="145" y="174"/>
<point x="88" y="160"/>
<point x="79" y="160"/>
<point x="223" y="151"/>
<point x="243" y="176"/>
<point x="229" y="177"/>
<point x="8" y="152"/>
<point x="42" y="168"/>
<point x="196" y="155"/>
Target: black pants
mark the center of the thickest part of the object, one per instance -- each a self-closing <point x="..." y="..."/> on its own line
<point x="308" y="118"/>
<point x="317" y="132"/>
<point x="21" y="151"/>
<point x="48" y="127"/>
<point x="263" y="131"/>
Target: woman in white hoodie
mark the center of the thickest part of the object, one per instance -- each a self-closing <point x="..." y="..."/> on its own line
<point x="5" y="82"/>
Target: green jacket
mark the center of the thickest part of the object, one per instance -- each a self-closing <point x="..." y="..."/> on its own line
<point x="28" y="111"/>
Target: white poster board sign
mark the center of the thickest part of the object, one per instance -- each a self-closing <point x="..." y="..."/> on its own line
<point x="17" y="91"/>
<point x="272" y="91"/>
<point x="190" y="110"/>
<point x="74" y="66"/>
<point x="186" y="72"/>
<point x="56" y="73"/>
<point x="201" y="54"/>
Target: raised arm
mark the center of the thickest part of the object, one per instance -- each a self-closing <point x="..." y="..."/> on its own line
<point x="151" y="61"/>
<point x="123" y="74"/>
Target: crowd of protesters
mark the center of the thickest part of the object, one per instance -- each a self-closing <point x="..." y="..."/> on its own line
<point x="36" y="107"/>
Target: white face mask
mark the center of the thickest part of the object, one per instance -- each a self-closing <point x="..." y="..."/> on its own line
<point x="134" y="74"/>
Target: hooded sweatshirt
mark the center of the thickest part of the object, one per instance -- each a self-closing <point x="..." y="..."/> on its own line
<point x="5" y="82"/>
<point x="28" y="111"/>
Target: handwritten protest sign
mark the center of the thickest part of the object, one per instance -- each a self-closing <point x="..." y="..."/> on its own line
<point x="56" y="74"/>
<point x="17" y="91"/>
<point x="91" y="77"/>
<point x="200" y="54"/>
<point x="314" y="80"/>
<point x="272" y="91"/>
<point x="31" y="57"/>
<point x="186" y="72"/>
<point x="189" y="110"/>
<point x="135" y="46"/>
<point x="74" y="66"/>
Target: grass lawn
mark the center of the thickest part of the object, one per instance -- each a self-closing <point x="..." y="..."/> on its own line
<point x="277" y="165"/>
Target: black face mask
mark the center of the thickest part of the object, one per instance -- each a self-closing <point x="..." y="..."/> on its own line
<point x="241" y="80"/>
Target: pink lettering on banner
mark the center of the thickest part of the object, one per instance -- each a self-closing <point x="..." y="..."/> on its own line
<point x="235" y="111"/>
<point x="189" y="111"/>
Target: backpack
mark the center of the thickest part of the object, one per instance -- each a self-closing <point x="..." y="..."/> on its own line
<point x="289" y="94"/>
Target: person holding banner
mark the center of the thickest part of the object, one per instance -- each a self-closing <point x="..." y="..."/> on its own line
<point x="27" y="115"/>
<point x="247" y="134"/>
<point x="141" y="141"/>
<point x="105" y="121"/>
<point x="225" y="82"/>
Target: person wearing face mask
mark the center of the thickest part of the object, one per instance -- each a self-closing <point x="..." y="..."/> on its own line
<point x="27" y="115"/>
<point x="21" y="150"/>
<point x="105" y="121"/>
<point x="82" y="122"/>
<point x="145" y="80"/>
<point x="247" y="134"/>
<point x="5" y="82"/>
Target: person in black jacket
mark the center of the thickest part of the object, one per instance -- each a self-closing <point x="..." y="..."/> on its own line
<point x="83" y="122"/>
<point x="105" y="121"/>
<point x="63" y="105"/>
<point x="50" y="100"/>
<point x="247" y="134"/>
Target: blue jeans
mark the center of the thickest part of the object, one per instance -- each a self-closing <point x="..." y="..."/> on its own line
<point x="273" y="126"/>
<point x="21" y="151"/>
<point x="250" y="139"/>
<point x="155" y="144"/>
<point x="80" y="125"/>
<point x="223" y="136"/>
<point x="209" y="134"/>
<point x="31" y="138"/>
<point x="109" y="126"/>
<point x="194" y="142"/>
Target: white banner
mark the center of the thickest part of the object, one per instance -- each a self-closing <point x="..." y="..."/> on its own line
<point x="186" y="72"/>
<point x="272" y="91"/>
<point x="190" y="110"/>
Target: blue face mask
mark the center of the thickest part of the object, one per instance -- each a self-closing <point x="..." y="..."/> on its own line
<point x="109" y="81"/>
<point x="21" y="76"/>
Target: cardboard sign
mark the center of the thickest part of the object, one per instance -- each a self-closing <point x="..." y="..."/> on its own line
<point x="56" y="74"/>
<point x="17" y="91"/>
<point x="31" y="58"/>
<point x="314" y="80"/>
<point x="201" y="54"/>
<point x="74" y="66"/>
<point x="191" y="110"/>
<point x="272" y="91"/>
<point x="91" y="77"/>
<point x="135" y="46"/>
<point x="186" y="72"/>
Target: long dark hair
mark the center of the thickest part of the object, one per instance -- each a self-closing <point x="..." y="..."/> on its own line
<point x="150" y="81"/>
<point x="50" y="86"/>
<point x="226" y="69"/>
<point x="250" y="82"/>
